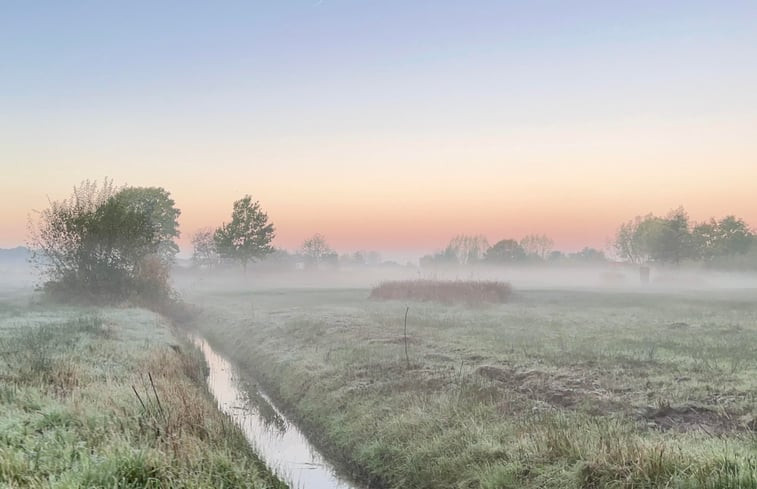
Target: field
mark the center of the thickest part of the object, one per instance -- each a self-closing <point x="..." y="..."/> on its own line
<point x="554" y="389"/>
<point x="471" y="292"/>
<point x="107" y="398"/>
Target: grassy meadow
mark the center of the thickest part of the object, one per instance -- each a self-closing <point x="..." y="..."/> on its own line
<point x="105" y="398"/>
<point x="554" y="389"/>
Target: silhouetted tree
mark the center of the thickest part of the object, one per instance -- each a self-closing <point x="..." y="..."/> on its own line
<point x="204" y="254"/>
<point x="248" y="236"/>
<point x="537" y="245"/>
<point x="631" y="240"/>
<point x="316" y="251"/>
<point x="727" y="237"/>
<point x="656" y="239"/>
<point x="505" y="251"/>
<point x="467" y="249"/>
<point x="669" y="238"/>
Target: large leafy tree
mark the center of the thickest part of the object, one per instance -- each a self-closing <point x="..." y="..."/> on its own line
<point x="669" y="238"/>
<point x="656" y="239"/>
<point x="718" y="238"/>
<point x="158" y="206"/>
<point x="99" y="244"/>
<point x="630" y="243"/>
<point x="247" y="237"/>
<point x="57" y="235"/>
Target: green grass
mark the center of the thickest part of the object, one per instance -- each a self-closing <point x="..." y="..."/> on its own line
<point x="69" y="416"/>
<point x="552" y="390"/>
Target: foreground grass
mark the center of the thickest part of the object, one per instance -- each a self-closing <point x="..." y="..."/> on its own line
<point x="110" y="398"/>
<point x="555" y="389"/>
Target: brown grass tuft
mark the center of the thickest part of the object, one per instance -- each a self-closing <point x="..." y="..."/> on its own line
<point x="447" y="292"/>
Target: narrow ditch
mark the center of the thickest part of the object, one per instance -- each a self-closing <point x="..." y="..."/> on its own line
<point x="275" y="439"/>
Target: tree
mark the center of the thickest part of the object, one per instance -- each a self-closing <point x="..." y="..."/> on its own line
<point x="467" y="249"/>
<point x="669" y="239"/>
<point x="98" y="245"/>
<point x="734" y="236"/>
<point x="316" y="250"/>
<point x="248" y="236"/>
<point x="655" y="239"/>
<point x="628" y="244"/>
<point x="204" y="254"/>
<point x="55" y="237"/>
<point x="727" y="237"/>
<point x="505" y="251"/>
<point x="156" y="203"/>
<point x="537" y="245"/>
<point x="632" y="241"/>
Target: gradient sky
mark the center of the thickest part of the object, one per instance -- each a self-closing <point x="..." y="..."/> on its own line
<point x="389" y="125"/>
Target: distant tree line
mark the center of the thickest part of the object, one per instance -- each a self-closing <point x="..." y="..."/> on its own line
<point x="674" y="239"/>
<point x="315" y="253"/>
<point x="531" y="249"/>
<point x="644" y="240"/>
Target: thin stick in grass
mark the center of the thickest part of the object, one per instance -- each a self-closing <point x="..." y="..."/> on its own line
<point x="407" y="357"/>
<point x="155" y="391"/>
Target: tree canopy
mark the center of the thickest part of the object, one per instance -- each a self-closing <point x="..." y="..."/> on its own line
<point x="158" y="206"/>
<point x="505" y="251"/>
<point x="719" y="238"/>
<point x="103" y="243"/>
<point x="673" y="238"/>
<point x="248" y="236"/>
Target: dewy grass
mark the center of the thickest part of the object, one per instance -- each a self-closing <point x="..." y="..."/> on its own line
<point x="444" y="291"/>
<point x="552" y="390"/>
<point x="69" y="415"/>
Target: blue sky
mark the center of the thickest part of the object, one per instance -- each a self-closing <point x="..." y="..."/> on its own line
<point x="187" y="93"/>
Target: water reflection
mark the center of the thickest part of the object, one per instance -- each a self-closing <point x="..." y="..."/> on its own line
<point x="276" y="440"/>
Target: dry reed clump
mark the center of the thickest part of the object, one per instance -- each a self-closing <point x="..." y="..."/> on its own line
<point x="444" y="291"/>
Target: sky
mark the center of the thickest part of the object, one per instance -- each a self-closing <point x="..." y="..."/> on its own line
<point x="389" y="125"/>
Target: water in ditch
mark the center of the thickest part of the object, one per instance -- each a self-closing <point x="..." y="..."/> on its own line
<point x="276" y="440"/>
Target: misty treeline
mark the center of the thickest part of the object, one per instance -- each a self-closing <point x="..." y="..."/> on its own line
<point x="314" y="253"/>
<point x="645" y="240"/>
<point x="531" y="249"/>
<point x="674" y="239"/>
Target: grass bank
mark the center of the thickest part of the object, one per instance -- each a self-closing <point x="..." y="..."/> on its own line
<point x="107" y="398"/>
<point x="552" y="390"/>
